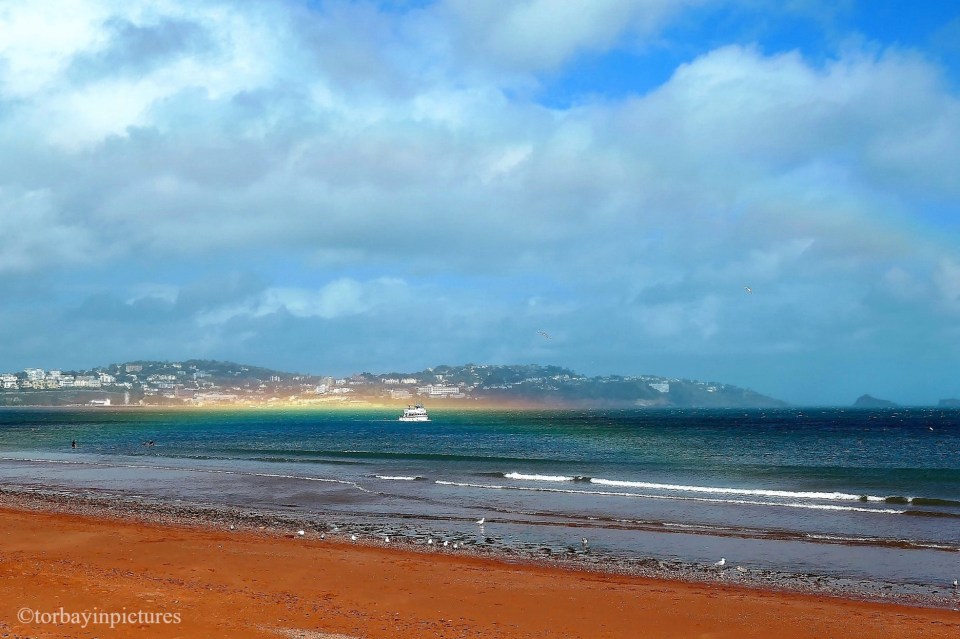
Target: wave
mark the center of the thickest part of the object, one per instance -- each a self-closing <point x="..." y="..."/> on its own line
<point x="724" y="490"/>
<point x="932" y="513"/>
<point x="526" y="477"/>
<point x="709" y="500"/>
<point x="759" y="492"/>
<point x="878" y="541"/>
<point x="930" y="501"/>
<point x="400" y="477"/>
<point x="537" y="477"/>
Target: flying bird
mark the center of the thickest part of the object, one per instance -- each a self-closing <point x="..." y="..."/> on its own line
<point x="748" y="289"/>
<point x="544" y="334"/>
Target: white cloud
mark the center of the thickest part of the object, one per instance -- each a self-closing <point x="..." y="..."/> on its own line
<point x="340" y="298"/>
<point x="533" y="35"/>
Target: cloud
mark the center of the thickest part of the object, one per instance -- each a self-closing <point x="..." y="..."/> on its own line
<point x="340" y="298"/>
<point x="35" y="236"/>
<point x="537" y="35"/>
<point x="947" y="280"/>
<point x="133" y="49"/>
<point x="244" y="168"/>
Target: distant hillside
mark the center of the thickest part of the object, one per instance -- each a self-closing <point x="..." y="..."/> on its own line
<point x="202" y="382"/>
<point x="949" y="403"/>
<point x="562" y="387"/>
<point x="868" y="401"/>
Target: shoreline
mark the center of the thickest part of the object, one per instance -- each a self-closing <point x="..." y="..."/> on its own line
<point x="271" y="582"/>
<point x="121" y="507"/>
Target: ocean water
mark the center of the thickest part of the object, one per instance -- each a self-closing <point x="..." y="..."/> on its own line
<point x="854" y="494"/>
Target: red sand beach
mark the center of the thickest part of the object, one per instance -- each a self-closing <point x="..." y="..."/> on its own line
<point x="220" y="583"/>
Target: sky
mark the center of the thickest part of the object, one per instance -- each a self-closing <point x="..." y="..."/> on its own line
<point x="762" y="193"/>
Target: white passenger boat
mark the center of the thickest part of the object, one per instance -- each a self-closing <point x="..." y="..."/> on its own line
<point x="415" y="414"/>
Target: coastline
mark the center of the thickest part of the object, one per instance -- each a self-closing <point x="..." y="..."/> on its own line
<point x="106" y="505"/>
<point x="262" y="579"/>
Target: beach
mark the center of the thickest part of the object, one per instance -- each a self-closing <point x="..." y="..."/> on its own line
<point x="855" y="505"/>
<point x="212" y="581"/>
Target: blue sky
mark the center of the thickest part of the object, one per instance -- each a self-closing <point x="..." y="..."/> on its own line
<point x="334" y="187"/>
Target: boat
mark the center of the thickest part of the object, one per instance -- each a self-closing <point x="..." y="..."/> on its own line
<point x="415" y="414"/>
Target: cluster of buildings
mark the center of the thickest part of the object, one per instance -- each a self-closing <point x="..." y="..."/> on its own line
<point x="39" y="379"/>
<point x="205" y="382"/>
<point x="221" y="383"/>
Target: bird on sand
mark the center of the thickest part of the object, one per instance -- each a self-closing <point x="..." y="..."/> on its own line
<point x="445" y="542"/>
<point x="430" y="541"/>
<point x="301" y="533"/>
<point x="721" y="563"/>
<point x="583" y="542"/>
<point x="353" y="537"/>
<point x="386" y="540"/>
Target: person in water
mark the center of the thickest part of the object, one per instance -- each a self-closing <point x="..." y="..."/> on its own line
<point x="73" y="444"/>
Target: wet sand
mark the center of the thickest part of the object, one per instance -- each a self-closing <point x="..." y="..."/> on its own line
<point x="259" y="583"/>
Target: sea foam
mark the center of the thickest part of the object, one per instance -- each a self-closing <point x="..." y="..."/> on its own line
<point x="720" y="490"/>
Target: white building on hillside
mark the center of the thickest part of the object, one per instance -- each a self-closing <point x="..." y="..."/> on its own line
<point x="439" y="390"/>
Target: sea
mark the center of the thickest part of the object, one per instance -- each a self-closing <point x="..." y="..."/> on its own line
<point x="857" y="496"/>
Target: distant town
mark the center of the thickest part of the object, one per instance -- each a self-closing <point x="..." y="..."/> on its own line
<point x="216" y="383"/>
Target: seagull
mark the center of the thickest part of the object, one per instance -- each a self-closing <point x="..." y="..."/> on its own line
<point x="544" y="334"/>
<point x="748" y="289"/>
<point x="956" y="584"/>
<point x="445" y="542"/>
<point x="583" y="542"/>
<point x="386" y="540"/>
<point x="721" y="563"/>
<point x="481" y="520"/>
<point x="353" y="537"/>
<point x="301" y="533"/>
<point x="430" y="541"/>
<point x="323" y="536"/>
